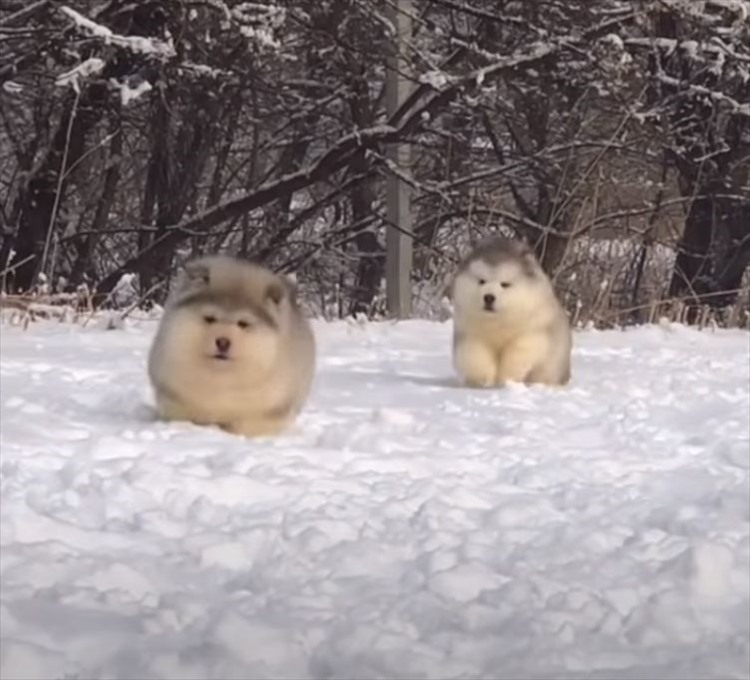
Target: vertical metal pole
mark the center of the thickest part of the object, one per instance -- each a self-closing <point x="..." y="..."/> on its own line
<point x="398" y="263"/>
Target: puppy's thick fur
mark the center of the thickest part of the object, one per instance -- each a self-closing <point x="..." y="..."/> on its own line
<point x="508" y="324"/>
<point x="233" y="349"/>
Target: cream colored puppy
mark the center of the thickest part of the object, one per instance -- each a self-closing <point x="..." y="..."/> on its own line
<point x="233" y="349"/>
<point x="508" y="324"/>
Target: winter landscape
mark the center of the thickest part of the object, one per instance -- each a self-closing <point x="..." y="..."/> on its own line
<point x="405" y="528"/>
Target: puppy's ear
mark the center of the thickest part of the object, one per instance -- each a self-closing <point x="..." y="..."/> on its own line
<point x="525" y="248"/>
<point x="529" y="261"/>
<point x="275" y="292"/>
<point x="446" y="287"/>
<point x="290" y="284"/>
<point x="197" y="274"/>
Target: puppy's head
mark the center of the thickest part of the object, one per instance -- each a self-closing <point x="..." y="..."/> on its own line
<point x="500" y="276"/>
<point x="229" y="315"/>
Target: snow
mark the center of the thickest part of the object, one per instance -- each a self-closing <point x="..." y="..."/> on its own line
<point x="405" y="528"/>
<point x="125" y="291"/>
<point x="12" y="87"/>
<point x="128" y="92"/>
<point x="91" y="66"/>
<point x="151" y="46"/>
<point x="436" y="79"/>
<point x="259" y="21"/>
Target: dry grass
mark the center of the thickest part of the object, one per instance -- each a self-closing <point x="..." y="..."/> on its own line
<point x="21" y="310"/>
<point x="74" y="308"/>
<point x="598" y="288"/>
<point x="676" y="310"/>
<point x="596" y="285"/>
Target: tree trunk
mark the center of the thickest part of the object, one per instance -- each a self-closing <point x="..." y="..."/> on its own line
<point x="714" y="250"/>
<point x="37" y="199"/>
<point x="83" y="266"/>
<point x="371" y="264"/>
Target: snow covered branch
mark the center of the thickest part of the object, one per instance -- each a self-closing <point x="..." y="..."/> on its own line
<point x="91" y="66"/>
<point x="162" y="49"/>
<point x="736" y="107"/>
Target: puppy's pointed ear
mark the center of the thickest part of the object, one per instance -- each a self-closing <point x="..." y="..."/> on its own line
<point x="529" y="261"/>
<point x="290" y="284"/>
<point x="197" y="274"/>
<point x="275" y="292"/>
<point x="446" y="287"/>
<point x="520" y="246"/>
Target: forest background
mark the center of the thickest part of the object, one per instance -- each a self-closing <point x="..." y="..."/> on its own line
<point x="612" y="135"/>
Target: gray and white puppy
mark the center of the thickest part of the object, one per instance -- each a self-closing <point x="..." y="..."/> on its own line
<point x="233" y="349"/>
<point x="508" y="324"/>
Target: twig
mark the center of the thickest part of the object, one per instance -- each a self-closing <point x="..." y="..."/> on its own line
<point x="60" y="181"/>
<point x="141" y="299"/>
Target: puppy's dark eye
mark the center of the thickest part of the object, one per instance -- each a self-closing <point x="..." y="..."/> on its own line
<point x="209" y="318"/>
<point x="505" y="284"/>
<point x="482" y="282"/>
<point x="244" y="325"/>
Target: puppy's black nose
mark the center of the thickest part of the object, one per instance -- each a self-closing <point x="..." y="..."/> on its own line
<point x="489" y="300"/>
<point x="223" y="345"/>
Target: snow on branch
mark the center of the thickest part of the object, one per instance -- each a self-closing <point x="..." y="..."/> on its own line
<point x="215" y="4"/>
<point x="87" y="68"/>
<point x="144" y="45"/>
<point x="130" y="92"/>
<point x="204" y="70"/>
<point x="740" y="7"/>
<point x="259" y="22"/>
<point x="741" y="109"/>
<point x="692" y="48"/>
<point x="699" y="8"/>
<point x="536" y="51"/>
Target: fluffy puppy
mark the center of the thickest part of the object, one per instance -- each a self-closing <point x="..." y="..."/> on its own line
<point x="233" y="349"/>
<point x="508" y="324"/>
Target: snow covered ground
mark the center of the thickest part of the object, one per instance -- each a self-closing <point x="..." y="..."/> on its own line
<point x="406" y="528"/>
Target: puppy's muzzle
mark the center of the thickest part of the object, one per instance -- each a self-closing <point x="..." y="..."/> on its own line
<point x="489" y="302"/>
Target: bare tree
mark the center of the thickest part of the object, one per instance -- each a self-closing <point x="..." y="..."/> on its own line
<point x="135" y="135"/>
<point x="699" y="83"/>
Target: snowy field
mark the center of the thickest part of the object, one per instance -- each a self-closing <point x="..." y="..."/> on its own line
<point x="406" y="528"/>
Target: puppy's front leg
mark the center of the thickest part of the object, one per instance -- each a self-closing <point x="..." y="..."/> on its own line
<point x="170" y="408"/>
<point x="475" y="363"/>
<point x="519" y="359"/>
<point x="272" y="422"/>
